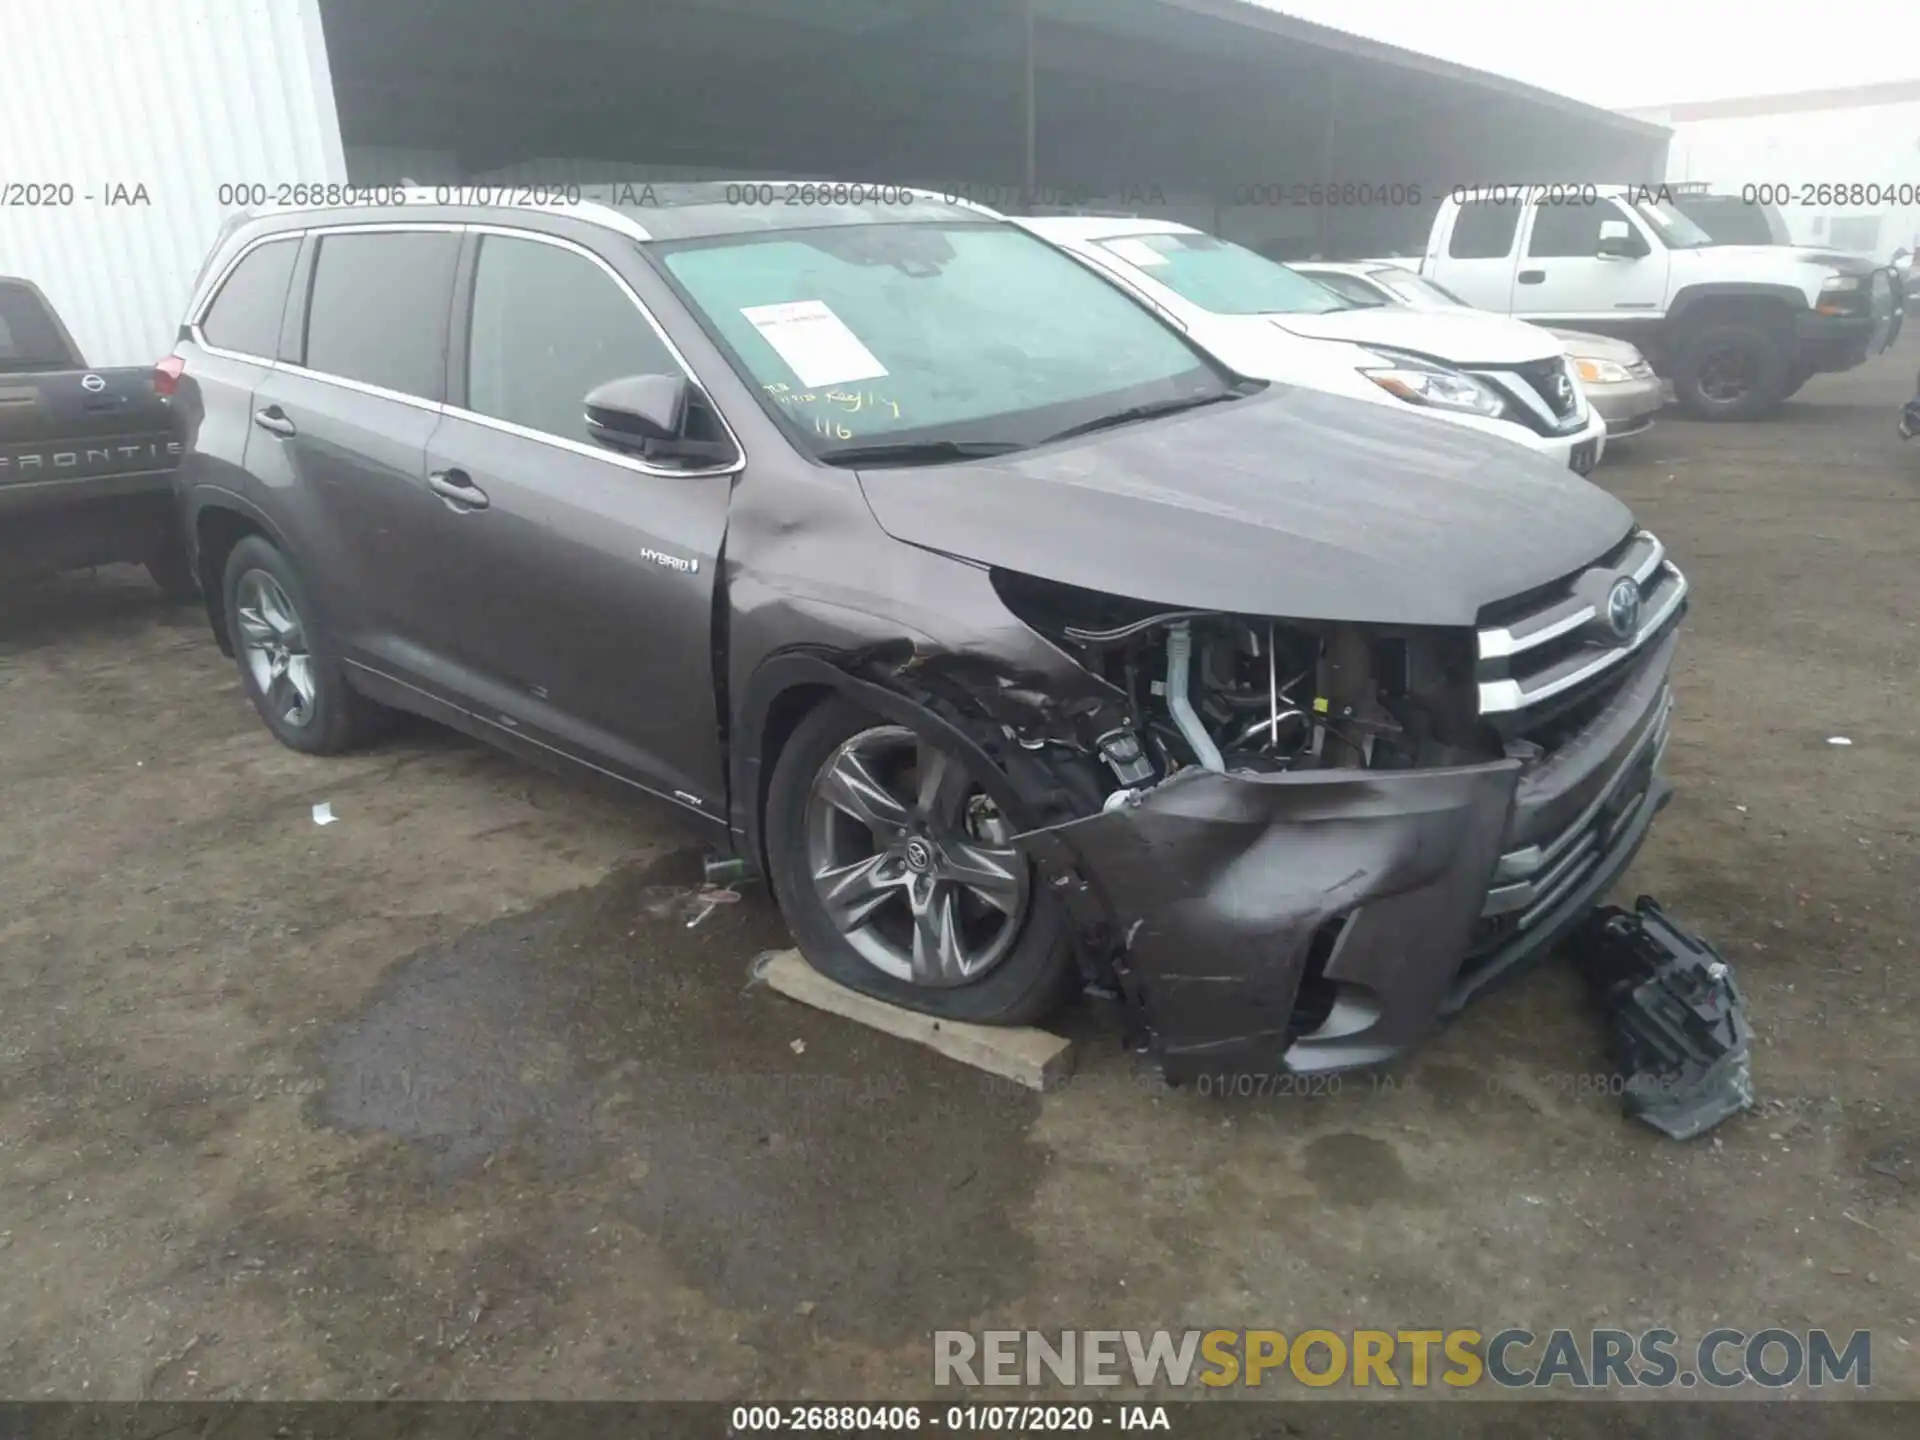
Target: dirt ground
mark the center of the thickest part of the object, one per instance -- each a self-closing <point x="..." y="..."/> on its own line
<point x="445" y="1099"/>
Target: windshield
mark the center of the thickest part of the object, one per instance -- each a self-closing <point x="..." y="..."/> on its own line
<point x="1351" y="288"/>
<point x="1731" y="221"/>
<point x="1222" y="277"/>
<point x="1416" y="289"/>
<point x="965" y="332"/>
<point x="1673" y="227"/>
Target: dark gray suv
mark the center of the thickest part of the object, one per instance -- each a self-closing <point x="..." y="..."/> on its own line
<point x="1016" y="642"/>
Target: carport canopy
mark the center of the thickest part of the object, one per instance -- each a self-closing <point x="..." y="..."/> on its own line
<point x="1101" y="104"/>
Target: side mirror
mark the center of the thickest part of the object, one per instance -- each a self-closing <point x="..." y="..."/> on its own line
<point x="1617" y="241"/>
<point x="652" y="417"/>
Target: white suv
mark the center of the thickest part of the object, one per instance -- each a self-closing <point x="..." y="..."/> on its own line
<point x="1497" y="375"/>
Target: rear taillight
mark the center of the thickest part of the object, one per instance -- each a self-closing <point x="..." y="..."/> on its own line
<point x="166" y="375"/>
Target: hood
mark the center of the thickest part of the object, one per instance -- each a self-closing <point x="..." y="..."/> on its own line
<point x="1777" y="255"/>
<point x="1459" y="337"/>
<point x="1588" y="346"/>
<point x="1291" y="503"/>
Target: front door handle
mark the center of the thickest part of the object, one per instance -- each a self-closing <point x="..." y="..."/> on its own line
<point x="1532" y="277"/>
<point x="456" y="487"/>
<point x="275" y="419"/>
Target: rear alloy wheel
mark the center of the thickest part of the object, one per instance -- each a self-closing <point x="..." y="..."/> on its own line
<point x="273" y="646"/>
<point x="1731" y="372"/>
<point x="899" y="876"/>
<point x="301" y="692"/>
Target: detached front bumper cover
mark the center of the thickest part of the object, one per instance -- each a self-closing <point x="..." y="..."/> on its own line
<point x="1678" y="1020"/>
<point x="1226" y="891"/>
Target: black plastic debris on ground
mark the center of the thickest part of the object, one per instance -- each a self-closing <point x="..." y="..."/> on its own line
<point x="1677" y="1019"/>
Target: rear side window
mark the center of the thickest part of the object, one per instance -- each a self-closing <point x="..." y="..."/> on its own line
<point x="246" y="313"/>
<point x="377" y="312"/>
<point x="1483" y="231"/>
<point x="548" y="326"/>
<point x="29" y="340"/>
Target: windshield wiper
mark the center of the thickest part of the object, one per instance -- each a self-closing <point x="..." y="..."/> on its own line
<point x="917" y="452"/>
<point x="1141" y="412"/>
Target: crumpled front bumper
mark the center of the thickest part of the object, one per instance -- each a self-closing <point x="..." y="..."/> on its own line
<point x="1322" y="920"/>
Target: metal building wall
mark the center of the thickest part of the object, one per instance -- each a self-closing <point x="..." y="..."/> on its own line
<point x="181" y="98"/>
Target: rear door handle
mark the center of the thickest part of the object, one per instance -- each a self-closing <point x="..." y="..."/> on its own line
<point x="275" y="419"/>
<point x="456" y="487"/>
<point x="1532" y="277"/>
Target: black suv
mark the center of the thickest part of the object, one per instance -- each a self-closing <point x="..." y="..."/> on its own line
<point x="1017" y="642"/>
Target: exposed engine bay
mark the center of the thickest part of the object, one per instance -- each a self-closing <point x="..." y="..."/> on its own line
<point x="1248" y="694"/>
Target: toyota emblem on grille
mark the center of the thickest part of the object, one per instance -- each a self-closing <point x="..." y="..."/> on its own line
<point x="1623" y="609"/>
<point x="93" y="384"/>
<point x="1562" y="391"/>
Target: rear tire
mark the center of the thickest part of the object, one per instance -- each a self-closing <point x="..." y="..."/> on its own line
<point x="300" y="691"/>
<point x="168" y="567"/>
<point x="1731" y="371"/>
<point x="1026" y="963"/>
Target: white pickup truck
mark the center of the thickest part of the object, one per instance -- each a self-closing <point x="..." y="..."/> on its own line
<point x="1737" y="328"/>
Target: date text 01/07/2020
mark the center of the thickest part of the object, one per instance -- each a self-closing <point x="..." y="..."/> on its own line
<point x="955" y="1419"/>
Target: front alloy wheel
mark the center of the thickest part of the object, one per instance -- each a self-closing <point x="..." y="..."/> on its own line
<point x="912" y="861"/>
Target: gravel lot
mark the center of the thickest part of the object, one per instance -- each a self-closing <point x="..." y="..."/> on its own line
<point x="445" y="1100"/>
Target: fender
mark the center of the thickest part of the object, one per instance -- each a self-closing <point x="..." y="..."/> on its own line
<point x="201" y="499"/>
<point x="1693" y="295"/>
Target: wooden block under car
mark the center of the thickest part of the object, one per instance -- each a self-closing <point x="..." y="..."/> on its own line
<point x="1037" y="1059"/>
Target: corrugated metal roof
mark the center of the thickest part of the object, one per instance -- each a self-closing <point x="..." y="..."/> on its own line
<point x="179" y="98"/>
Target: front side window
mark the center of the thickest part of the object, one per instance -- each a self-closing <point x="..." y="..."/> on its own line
<point x="925" y="333"/>
<point x="547" y="326"/>
<point x="378" y="309"/>
<point x="1221" y="277"/>
<point x="1568" y="230"/>
<point x="245" y="316"/>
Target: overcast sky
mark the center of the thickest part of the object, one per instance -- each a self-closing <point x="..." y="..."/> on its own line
<point x="1644" y="52"/>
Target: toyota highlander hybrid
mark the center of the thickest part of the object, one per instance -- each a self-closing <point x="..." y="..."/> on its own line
<point x="1018" y="642"/>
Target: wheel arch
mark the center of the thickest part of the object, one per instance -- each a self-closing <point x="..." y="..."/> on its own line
<point x="1772" y="304"/>
<point x="788" y="687"/>
<point x="218" y="522"/>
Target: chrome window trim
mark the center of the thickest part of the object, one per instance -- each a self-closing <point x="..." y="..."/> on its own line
<point x="211" y="292"/>
<point x="581" y="447"/>
<point x="1500" y="697"/>
<point x="362" y="387"/>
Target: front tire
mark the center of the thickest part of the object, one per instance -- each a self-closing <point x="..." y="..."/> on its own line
<point x="1731" y="371"/>
<point x="299" y="690"/>
<point x="897" y="876"/>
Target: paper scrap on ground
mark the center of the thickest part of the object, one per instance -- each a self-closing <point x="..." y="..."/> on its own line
<point x="1838" y="740"/>
<point x="816" y="343"/>
<point x="323" y="813"/>
<point x="1136" y="252"/>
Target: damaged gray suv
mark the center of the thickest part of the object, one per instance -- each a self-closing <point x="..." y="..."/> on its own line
<point x="1019" y="645"/>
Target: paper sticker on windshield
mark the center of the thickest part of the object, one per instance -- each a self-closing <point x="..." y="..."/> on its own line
<point x="816" y="343"/>
<point x="1136" y="252"/>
